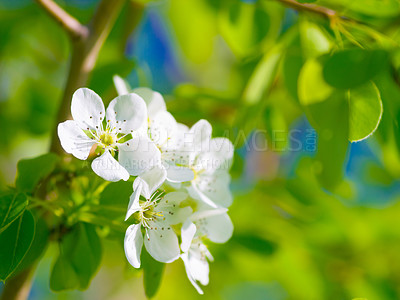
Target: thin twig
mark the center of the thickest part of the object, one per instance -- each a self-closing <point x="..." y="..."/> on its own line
<point x="71" y="25"/>
<point x="326" y="12"/>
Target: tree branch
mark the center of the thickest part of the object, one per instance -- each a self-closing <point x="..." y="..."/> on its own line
<point x="326" y="12"/>
<point x="83" y="59"/>
<point x="18" y="287"/>
<point x="87" y="42"/>
<point x="71" y="25"/>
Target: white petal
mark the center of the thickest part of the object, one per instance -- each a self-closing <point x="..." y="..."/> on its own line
<point x="174" y="197"/>
<point x="207" y="213"/>
<point x="199" y="267"/>
<point x="218" y="157"/>
<point x="121" y="85"/>
<point x="162" y="129"/>
<point x="74" y="140"/>
<point x="134" y="205"/>
<point x="108" y="168"/>
<point x="171" y="209"/>
<point x="201" y="135"/>
<point x="133" y="244"/>
<point x="87" y="108"/>
<point x="162" y="245"/>
<point x="187" y="233"/>
<point x="155" y="102"/>
<point x="139" y="154"/>
<point x="153" y="179"/>
<point x="218" y="228"/>
<point x="179" y="174"/>
<point x="214" y="188"/>
<point x="182" y="127"/>
<point x="195" y="193"/>
<point x="127" y="113"/>
<point x="188" y="266"/>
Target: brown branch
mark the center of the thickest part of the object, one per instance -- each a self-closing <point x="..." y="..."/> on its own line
<point x="84" y="56"/>
<point x="87" y="42"/>
<point x="18" y="287"/>
<point x="71" y="25"/>
<point x="326" y="12"/>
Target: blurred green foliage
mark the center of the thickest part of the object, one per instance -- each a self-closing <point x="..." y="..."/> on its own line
<point x="309" y="224"/>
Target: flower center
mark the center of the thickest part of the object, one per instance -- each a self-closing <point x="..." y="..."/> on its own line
<point x="148" y="210"/>
<point x="107" y="136"/>
<point x="107" y="139"/>
<point x="149" y="214"/>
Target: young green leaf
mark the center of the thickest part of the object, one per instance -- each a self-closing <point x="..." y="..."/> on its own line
<point x="244" y="26"/>
<point x="38" y="246"/>
<point x="312" y="87"/>
<point x="31" y="171"/>
<point x="15" y="242"/>
<point x="331" y="120"/>
<point x="365" y="111"/>
<point x="314" y="40"/>
<point x="80" y="254"/>
<point x="353" y="67"/>
<point x="255" y="243"/>
<point x="291" y="68"/>
<point x="263" y="76"/>
<point x="114" y="200"/>
<point x="12" y="205"/>
<point x="374" y="8"/>
<point x="63" y="276"/>
<point x="152" y="274"/>
<point x="82" y="248"/>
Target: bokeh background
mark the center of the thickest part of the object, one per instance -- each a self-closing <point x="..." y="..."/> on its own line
<point x="293" y="239"/>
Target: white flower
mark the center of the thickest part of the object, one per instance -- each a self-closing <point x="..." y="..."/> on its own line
<point x="210" y="161"/>
<point x="163" y="130"/>
<point x="214" y="225"/>
<point x="156" y="214"/>
<point x="110" y="130"/>
<point x="196" y="264"/>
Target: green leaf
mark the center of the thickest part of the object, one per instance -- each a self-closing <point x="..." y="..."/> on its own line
<point x="111" y="205"/>
<point x="306" y="1"/>
<point x="277" y="128"/>
<point x="312" y="87"/>
<point x="263" y="76"/>
<point x="152" y="274"/>
<point x="63" y="276"/>
<point x="353" y="67"/>
<point x="365" y="111"/>
<point x="376" y="8"/>
<point x="331" y="120"/>
<point x="15" y="242"/>
<point x="244" y="26"/>
<point x="255" y="243"/>
<point x="83" y="248"/>
<point x="291" y="67"/>
<point x="38" y="246"/>
<point x="80" y="256"/>
<point x="31" y="171"/>
<point x="12" y="205"/>
<point x="314" y="40"/>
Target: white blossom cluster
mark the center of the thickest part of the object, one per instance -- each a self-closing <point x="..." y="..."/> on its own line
<point x="181" y="186"/>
